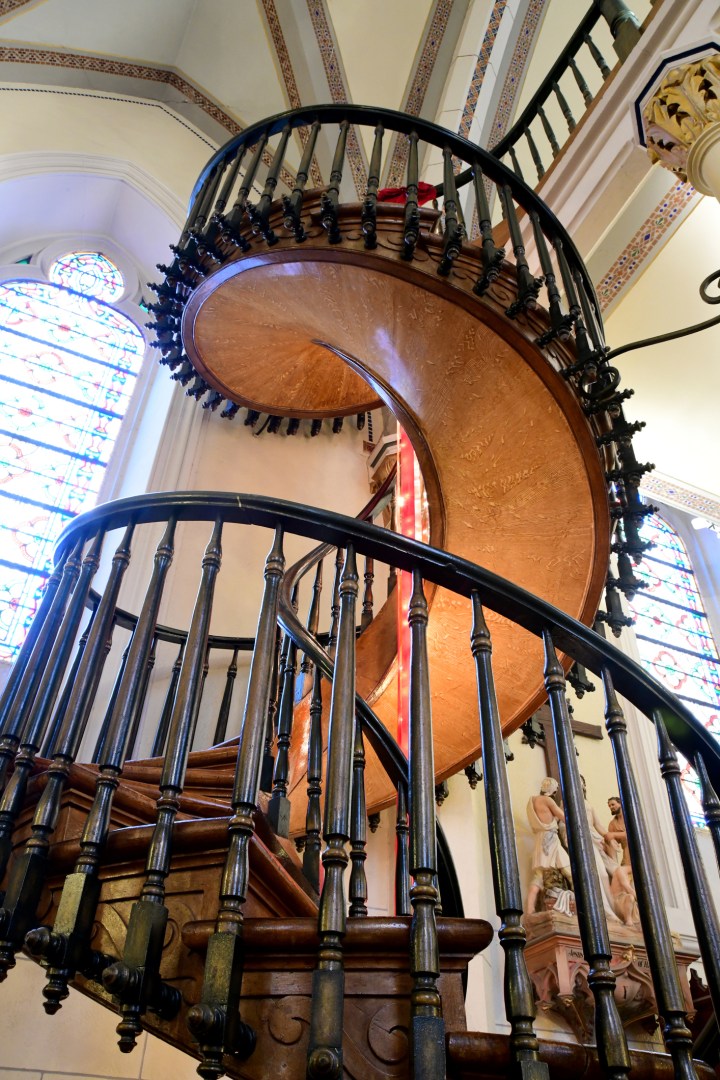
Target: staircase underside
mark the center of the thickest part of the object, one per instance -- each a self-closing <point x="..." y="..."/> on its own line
<point x="513" y="475"/>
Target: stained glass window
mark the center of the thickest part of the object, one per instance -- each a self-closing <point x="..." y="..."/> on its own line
<point x="674" y="637"/>
<point x="68" y="365"/>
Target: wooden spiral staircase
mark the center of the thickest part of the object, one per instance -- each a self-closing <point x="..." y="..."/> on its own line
<point x="189" y="911"/>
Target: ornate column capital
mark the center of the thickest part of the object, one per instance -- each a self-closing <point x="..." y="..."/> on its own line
<point x="682" y="113"/>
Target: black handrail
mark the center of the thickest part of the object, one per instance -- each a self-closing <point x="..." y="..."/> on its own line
<point x="436" y="566"/>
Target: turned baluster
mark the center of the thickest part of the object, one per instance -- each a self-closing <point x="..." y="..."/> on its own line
<point x="515" y="163"/>
<point x="260" y="215"/>
<point x="48" y="744"/>
<point x="268" y="763"/>
<point x="105" y="726"/>
<point x="224" y="714"/>
<point x="560" y="322"/>
<point x="29" y="869"/>
<point x="335" y="610"/>
<point x="651" y="905"/>
<point x="369" y="207"/>
<point x="519" y="1002"/>
<point x="534" y="154"/>
<point x="325" y="1057"/>
<point x="702" y="904"/>
<point x="228" y="185"/>
<point x="492" y="256"/>
<point x="278" y="811"/>
<point x="292" y="205"/>
<point x="564" y="107"/>
<point x="67" y="949"/>
<point x="330" y="199"/>
<point x="580" y="80"/>
<point x="528" y="286"/>
<point x="366" y="616"/>
<point x="402" y="855"/>
<point x="313" y="621"/>
<point x="454" y="229"/>
<point x="710" y="804"/>
<point x="411" y="220"/>
<point x="610" y="1036"/>
<point x="139" y="705"/>
<point x="215" y="1022"/>
<point x="358" y="889"/>
<point x="597" y="56"/>
<point x="313" y="819"/>
<point x="231" y="231"/>
<point x="547" y="128"/>
<point x="158" y="746"/>
<point x="135" y="981"/>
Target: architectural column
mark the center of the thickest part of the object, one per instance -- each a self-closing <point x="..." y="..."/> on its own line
<point x="682" y="123"/>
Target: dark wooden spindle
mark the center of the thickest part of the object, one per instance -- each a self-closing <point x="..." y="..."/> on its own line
<point x="609" y="1033"/>
<point x="233" y="222"/>
<point x="139" y="705"/>
<point x="313" y="621"/>
<point x="313" y="818"/>
<point x="402" y="854"/>
<point x="702" y="904"/>
<point x="330" y="199"/>
<point x="492" y="256"/>
<point x="292" y="204"/>
<point x="260" y="215"/>
<point x="366" y="616"/>
<point x="105" y="726"/>
<point x="335" y="610"/>
<point x="48" y="744"/>
<point x="411" y="221"/>
<point x="369" y="207"/>
<point x="560" y="322"/>
<point x="158" y="746"/>
<point x="135" y="981"/>
<point x="515" y="163"/>
<point x="547" y="128"/>
<point x="67" y="948"/>
<point x="224" y="714"/>
<point x="215" y="1022"/>
<point x="228" y="184"/>
<point x="528" y="286"/>
<point x="580" y="80"/>
<point x="597" y="56"/>
<point x="535" y="154"/>
<point x="278" y="811"/>
<point x="427" y="1040"/>
<point x="454" y="229"/>
<point x="651" y="905"/>
<point x="564" y="107"/>
<point x="27" y="877"/>
<point x="519" y="1000"/>
<point x="710" y="804"/>
<point x="268" y="763"/>
<point x="325" y="1057"/>
<point x="358" y="888"/>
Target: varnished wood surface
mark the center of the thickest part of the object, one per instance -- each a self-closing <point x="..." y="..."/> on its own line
<point x="513" y="476"/>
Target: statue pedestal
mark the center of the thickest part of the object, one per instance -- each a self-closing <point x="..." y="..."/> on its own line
<point x="559" y="973"/>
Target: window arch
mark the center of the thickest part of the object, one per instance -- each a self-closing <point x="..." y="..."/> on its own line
<point x="69" y="361"/>
<point x="674" y="637"/>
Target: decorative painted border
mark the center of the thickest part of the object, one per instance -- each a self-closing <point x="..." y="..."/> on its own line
<point x="415" y="97"/>
<point x="338" y="90"/>
<point x="652" y="230"/>
<point x="283" y="56"/>
<point x="675" y="493"/>
<point x="513" y="78"/>
<point x="483" y="60"/>
<point x="8" y="6"/>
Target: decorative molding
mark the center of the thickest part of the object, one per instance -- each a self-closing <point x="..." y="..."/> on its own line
<point x="516" y="69"/>
<point x="683" y="105"/>
<point x="9" y="7"/>
<point x="678" y="199"/>
<point x="478" y="76"/>
<point x="338" y="89"/>
<point x="682" y="496"/>
<point x="415" y="97"/>
<point x="288" y="75"/>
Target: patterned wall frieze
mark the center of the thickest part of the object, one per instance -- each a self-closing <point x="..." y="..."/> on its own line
<point x="415" y="97"/>
<point x="674" y="493"/>
<point x="286" y="69"/>
<point x="481" y="65"/>
<point x="9" y="7"/>
<point x="338" y="89"/>
<point x="630" y="261"/>
<point x="515" y="71"/>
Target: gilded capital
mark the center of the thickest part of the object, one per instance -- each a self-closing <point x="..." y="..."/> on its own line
<point x="684" y="104"/>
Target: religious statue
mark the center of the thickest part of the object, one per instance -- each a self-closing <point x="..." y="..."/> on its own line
<point x="622" y="885"/>
<point x="605" y="862"/>
<point x="545" y="816"/>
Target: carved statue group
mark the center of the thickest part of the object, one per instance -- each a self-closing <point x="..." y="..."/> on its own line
<point x="551" y="885"/>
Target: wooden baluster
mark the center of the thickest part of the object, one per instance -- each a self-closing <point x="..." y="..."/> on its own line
<point x="292" y="205"/>
<point x="278" y="811"/>
<point x="564" y="107"/>
<point x="402" y="854"/>
<point x="140" y="701"/>
<point x="597" y="56"/>
<point x="358" y="889"/>
<point x="582" y="341"/>
<point x="547" y="128"/>
<point x="411" y="221"/>
<point x="330" y="199"/>
<point x="231" y="232"/>
<point x="612" y="1048"/>
<point x="710" y="804"/>
<point x="369" y="208"/>
<point x="17" y="701"/>
<point x="580" y="80"/>
<point x="260" y="215"/>
<point x="427" y="1039"/>
<point x="203" y="683"/>
<point x="515" y="163"/>
<point x="158" y="746"/>
<point x="335" y="610"/>
<point x="519" y="1001"/>
<point x="366" y="616"/>
<point x="328" y="986"/>
<point x="228" y="185"/>
<point x="105" y="726"/>
<point x="268" y="764"/>
<point x="560" y="323"/>
<point x="492" y="257"/>
<point x="313" y="819"/>
<point x="651" y="905"/>
<point x="528" y="286"/>
<point x="534" y="154"/>
<point x="215" y="1022"/>
<point x="135" y="981"/>
<point x="66" y="949"/>
<point x="454" y="229"/>
<point x="313" y="622"/>
<point x="702" y="905"/>
<point x="223" y="715"/>
<point x="206" y="200"/>
<point x="48" y="744"/>
<point x="589" y="313"/>
<point x="27" y="877"/>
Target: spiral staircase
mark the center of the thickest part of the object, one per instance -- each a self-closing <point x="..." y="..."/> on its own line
<point x="170" y="888"/>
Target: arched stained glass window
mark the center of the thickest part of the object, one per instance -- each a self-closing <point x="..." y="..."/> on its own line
<point x="68" y="365"/>
<point x="674" y="637"/>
